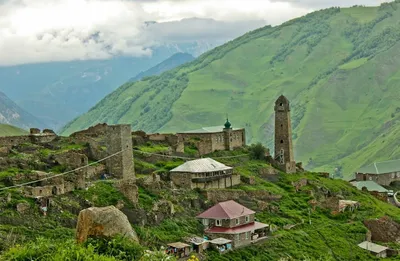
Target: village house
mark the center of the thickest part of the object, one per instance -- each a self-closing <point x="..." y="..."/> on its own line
<point x="382" y="173"/>
<point x="232" y="221"/>
<point x="204" y="173"/>
<point x="210" y="139"/>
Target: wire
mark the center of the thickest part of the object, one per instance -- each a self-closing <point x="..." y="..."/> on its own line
<point x="62" y="174"/>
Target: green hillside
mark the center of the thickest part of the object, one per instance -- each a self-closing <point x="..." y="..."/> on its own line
<point x="8" y="130"/>
<point x="339" y="68"/>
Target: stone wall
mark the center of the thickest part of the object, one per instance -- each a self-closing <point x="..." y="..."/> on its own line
<point x="185" y="180"/>
<point x="120" y="139"/>
<point x="382" y="179"/>
<point x="34" y="137"/>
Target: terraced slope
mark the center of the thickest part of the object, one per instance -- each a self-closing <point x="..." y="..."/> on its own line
<point x="339" y="68"/>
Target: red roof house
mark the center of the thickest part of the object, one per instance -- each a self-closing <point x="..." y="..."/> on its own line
<point x="233" y="221"/>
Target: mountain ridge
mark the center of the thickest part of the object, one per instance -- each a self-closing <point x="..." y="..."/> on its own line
<point x="12" y="114"/>
<point x="337" y="66"/>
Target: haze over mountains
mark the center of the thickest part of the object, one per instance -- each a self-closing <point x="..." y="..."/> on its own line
<point x="58" y="91"/>
<point x="339" y="67"/>
<point x="12" y="114"/>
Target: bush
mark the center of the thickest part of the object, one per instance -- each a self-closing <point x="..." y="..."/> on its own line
<point x="257" y="151"/>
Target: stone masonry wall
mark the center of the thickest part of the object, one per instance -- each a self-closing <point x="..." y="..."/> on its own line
<point x="120" y="138"/>
<point x="382" y="179"/>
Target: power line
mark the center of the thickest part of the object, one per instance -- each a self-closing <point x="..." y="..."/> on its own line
<point x="62" y="174"/>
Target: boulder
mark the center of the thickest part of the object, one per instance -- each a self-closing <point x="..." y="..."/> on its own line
<point x="23" y="207"/>
<point x="103" y="222"/>
<point x="384" y="229"/>
<point x="4" y="151"/>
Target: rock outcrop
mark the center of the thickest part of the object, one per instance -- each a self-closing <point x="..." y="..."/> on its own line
<point x="103" y="222"/>
<point x="383" y="229"/>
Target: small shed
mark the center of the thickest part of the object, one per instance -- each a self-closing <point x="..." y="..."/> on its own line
<point x="375" y="249"/>
<point x="222" y="244"/>
<point x="199" y="244"/>
<point x="178" y="249"/>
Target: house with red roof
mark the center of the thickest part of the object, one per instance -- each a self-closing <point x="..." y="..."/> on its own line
<point x="233" y="221"/>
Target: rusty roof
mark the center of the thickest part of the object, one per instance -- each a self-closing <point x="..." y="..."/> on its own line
<point x="226" y="210"/>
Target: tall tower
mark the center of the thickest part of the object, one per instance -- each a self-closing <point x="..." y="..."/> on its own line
<point x="283" y="136"/>
<point x="120" y="141"/>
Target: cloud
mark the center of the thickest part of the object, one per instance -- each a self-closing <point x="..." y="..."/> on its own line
<point x="317" y="4"/>
<point x="34" y="31"/>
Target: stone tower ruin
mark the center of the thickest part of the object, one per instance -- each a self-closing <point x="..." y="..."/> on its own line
<point x="119" y="138"/>
<point x="283" y="136"/>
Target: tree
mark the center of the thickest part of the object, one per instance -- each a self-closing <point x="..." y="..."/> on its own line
<point x="257" y="151"/>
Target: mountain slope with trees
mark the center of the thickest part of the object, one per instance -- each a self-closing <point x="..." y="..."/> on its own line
<point x="339" y="67"/>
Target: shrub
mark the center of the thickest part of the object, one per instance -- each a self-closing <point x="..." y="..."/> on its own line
<point x="257" y="151"/>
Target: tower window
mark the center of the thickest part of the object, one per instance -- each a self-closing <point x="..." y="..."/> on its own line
<point x="281" y="141"/>
<point x="281" y="104"/>
<point x="281" y="125"/>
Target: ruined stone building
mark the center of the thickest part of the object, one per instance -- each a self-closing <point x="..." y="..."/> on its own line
<point x="382" y="173"/>
<point x="210" y="139"/>
<point x="106" y="140"/>
<point x="283" y="136"/>
<point x="204" y="173"/>
<point x="232" y="221"/>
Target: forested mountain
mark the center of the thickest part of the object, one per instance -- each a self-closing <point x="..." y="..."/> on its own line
<point x="170" y="63"/>
<point x="11" y="113"/>
<point x="339" y="67"/>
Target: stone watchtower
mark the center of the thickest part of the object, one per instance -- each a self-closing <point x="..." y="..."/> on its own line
<point x="228" y="135"/>
<point x="283" y="136"/>
<point x="120" y="139"/>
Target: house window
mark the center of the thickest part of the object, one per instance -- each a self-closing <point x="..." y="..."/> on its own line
<point x="247" y="219"/>
<point x="218" y="222"/>
<point x="237" y="221"/>
<point x="237" y="237"/>
<point x="247" y="235"/>
<point x="205" y="222"/>
<point x="370" y="178"/>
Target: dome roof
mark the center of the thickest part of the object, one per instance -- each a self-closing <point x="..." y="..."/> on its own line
<point x="227" y="124"/>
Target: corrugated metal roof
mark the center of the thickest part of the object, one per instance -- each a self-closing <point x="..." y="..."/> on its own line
<point x="226" y="210"/>
<point x="220" y="241"/>
<point x="381" y="167"/>
<point x="211" y="129"/>
<point x="178" y="245"/>
<point x="370" y="185"/>
<point x="201" y="165"/>
<point x="372" y="247"/>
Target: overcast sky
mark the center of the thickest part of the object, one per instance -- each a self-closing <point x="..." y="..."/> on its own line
<point x="62" y="30"/>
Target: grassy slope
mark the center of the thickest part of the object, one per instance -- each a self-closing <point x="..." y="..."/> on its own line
<point x="338" y="67"/>
<point x="329" y="237"/>
<point x="8" y="130"/>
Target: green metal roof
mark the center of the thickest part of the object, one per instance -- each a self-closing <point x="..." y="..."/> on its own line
<point x="370" y="185"/>
<point x="211" y="129"/>
<point x="381" y="167"/>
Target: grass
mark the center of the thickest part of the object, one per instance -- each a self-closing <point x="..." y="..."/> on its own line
<point x="353" y="64"/>
<point x="9" y="130"/>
